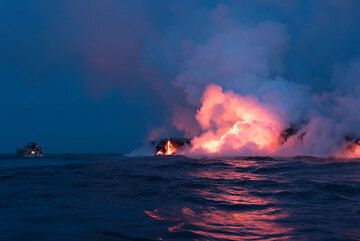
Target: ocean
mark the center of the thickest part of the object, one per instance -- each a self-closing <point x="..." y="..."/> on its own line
<point x="115" y="197"/>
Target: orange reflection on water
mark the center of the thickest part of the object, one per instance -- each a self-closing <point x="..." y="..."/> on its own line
<point x="232" y="196"/>
<point x="257" y="218"/>
<point x="154" y="214"/>
<point x="233" y="172"/>
<point x="230" y="210"/>
<point x="235" y="224"/>
<point x="227" y="175"/>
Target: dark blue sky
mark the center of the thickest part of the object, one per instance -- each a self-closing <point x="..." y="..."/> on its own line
<point x="97" y="76"/>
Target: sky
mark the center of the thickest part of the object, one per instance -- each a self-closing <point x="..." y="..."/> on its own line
<point x="107" y="76"/>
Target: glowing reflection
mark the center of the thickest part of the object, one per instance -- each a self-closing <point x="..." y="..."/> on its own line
<point x="233" y="224"/>
<point x="232" y="212"/>
<point x="154" y="214"/>
<point x="225" y="174"/>
<point x="231" y="196"/>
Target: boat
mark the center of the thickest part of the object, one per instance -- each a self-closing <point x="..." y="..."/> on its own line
<point x="30" y="150"/>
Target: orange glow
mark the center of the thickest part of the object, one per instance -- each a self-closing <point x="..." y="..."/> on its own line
<point x="352" y="151"/>
<point x="357" y="151"/>
<point x="175" y="227"/>
<point x="261" y="223"/>
<point x="232" y="123"/>
<point x="170" y="149"/>
<point x="154" y="214"/>
<point x="258" y="224"/>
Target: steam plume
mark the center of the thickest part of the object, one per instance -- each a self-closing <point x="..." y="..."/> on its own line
<point x="246" y="106"/>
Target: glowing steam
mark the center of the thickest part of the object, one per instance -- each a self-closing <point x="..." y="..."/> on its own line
<point x="266" y="112"/>
<point x="352" y="150"/>
<point x="236" y="124"/>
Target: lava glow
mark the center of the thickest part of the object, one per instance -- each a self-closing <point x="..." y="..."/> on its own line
<point x="352" y="151"/>
<point x="232" y="123"/>
<point x="170" y="149"/>
<point x="356" y="152"/>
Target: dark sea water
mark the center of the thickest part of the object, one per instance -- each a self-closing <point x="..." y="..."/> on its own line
<point x="113" y="197"/>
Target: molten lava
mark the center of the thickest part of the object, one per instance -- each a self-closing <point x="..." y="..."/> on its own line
<point x="237" y="124"/>
<point x="353" y="150"/>
<point x="169" y="149"/>
<point x="172" y="146"/>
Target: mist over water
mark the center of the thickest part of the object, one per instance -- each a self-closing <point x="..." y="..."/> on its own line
<point x="112" y="197"/>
